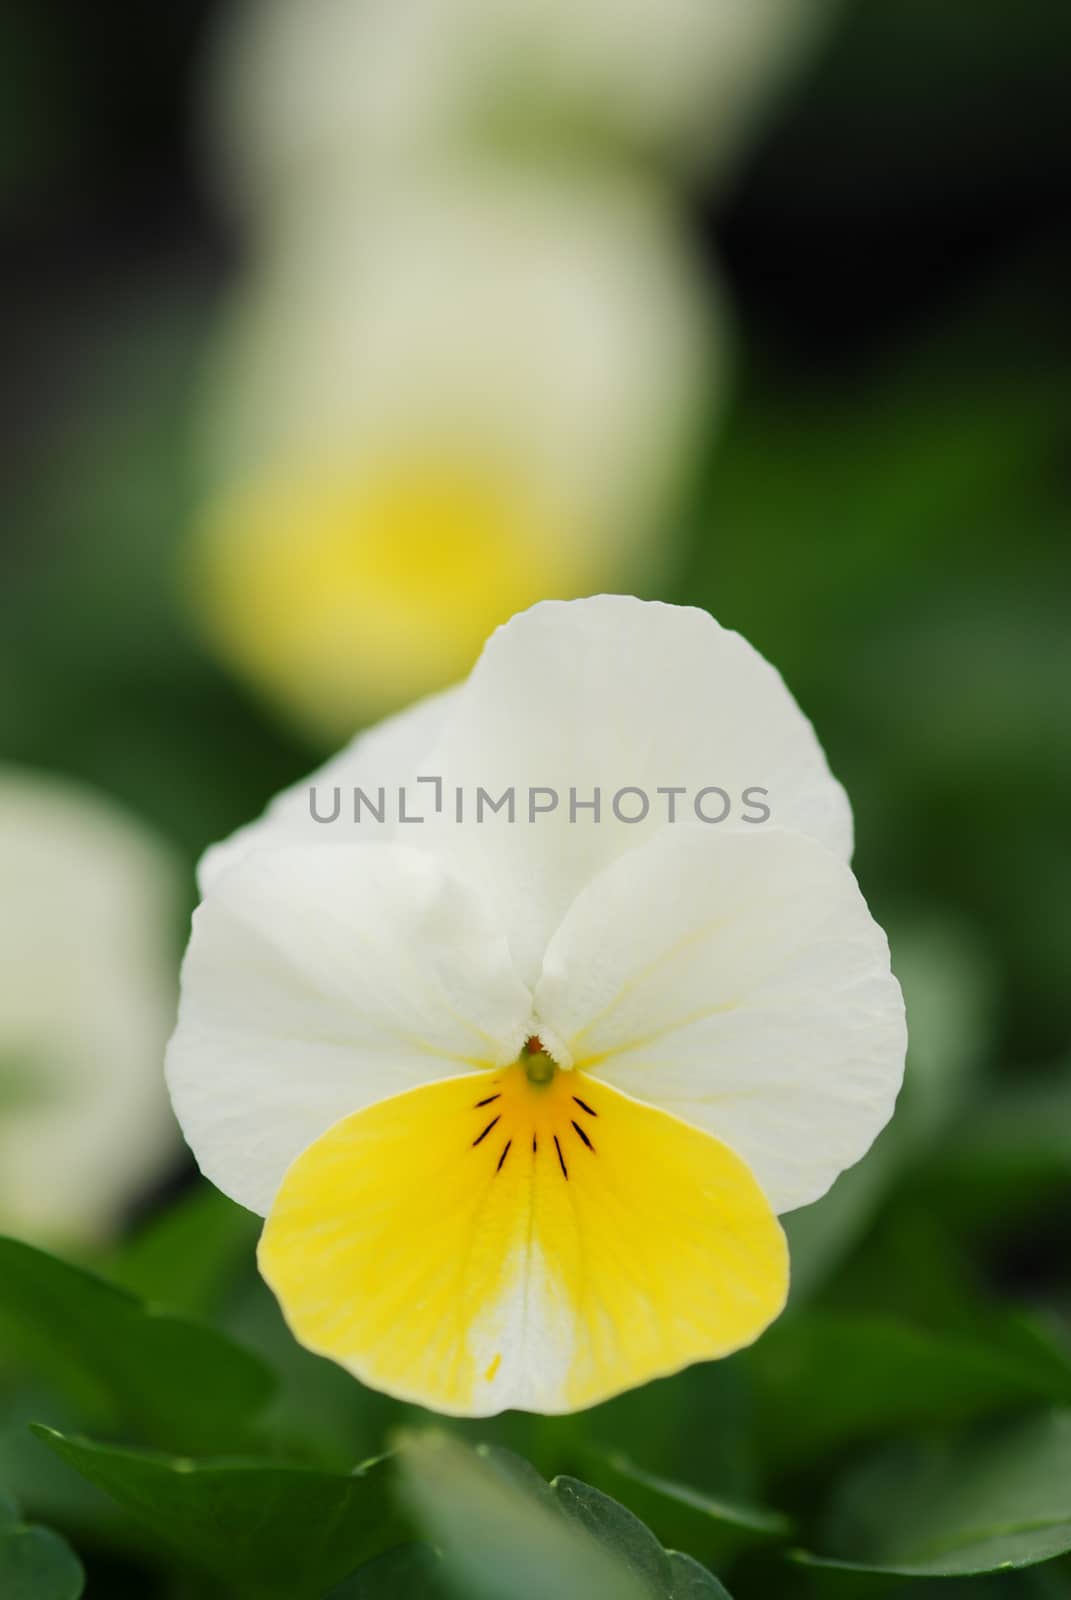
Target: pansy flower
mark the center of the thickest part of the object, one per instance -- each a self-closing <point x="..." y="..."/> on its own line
<point x="522" y="1098"/>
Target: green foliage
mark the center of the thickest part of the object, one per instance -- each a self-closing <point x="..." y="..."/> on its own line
<point x="175" y="1383"/>
<point x="35" y="1564"/>
<point x="826" y="1379"/>
<point x="666" y="1573"/>
<point x="505" y="1532"/>
<point x="709" y="1526"/>
<point x="411" y="1569"/>
<point x="500" y="1530"/>
<point x="184" y="1258"/>
<point x="263" y="1531"/>
<point x="1011" y="1160"/>
<point x="689" y="1581"/>
<point x="984" y="1503"/>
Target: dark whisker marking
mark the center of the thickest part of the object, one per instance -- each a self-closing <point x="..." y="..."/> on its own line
<point x="584" y="1136"/>
<point x="561" y="1158"/>
<point x="503" y="1156"/>
<point x="486" y="1102"/>
<point x="486" y="1131"/>
<point x="535" y="1144"/>
<point x="584" y="1107"/>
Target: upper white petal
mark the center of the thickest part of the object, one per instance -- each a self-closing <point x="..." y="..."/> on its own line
<point x="318" y="981"/>
<point x="738" y="981"/>
<point x="612" y="692"/>
<point x="387" y="756"/>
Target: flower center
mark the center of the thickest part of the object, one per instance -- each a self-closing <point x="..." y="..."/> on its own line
<point x="538" y="1065"/>
<point x="531" y="1110"/>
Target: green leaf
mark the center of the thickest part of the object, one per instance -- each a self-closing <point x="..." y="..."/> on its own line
<point x="35" y="1564"/>
<point x="503" y="1538"/>
<point x="681" y="1515"/>
<point x="695" y="1426"/>
<point x="1011" y="1156"/>
<point x="185" y="1258"/>
<point x="690" y="1581"/>
<point x="667" y="1574"/>
<point x="914" y="1272"/>
<point x="614" y="1526"/>
<point x="989" y="1502"/>
<point x="507" y="1535"/>
<point x="414" y="1570"/>
<point x="824" y="1380"/>
<point x="264" y="1531"/>
<point x="411" y="1570"/>
<point x="178" y="1384"/>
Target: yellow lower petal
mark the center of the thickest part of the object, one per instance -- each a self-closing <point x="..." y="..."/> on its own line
<point x="490" y="1242"/>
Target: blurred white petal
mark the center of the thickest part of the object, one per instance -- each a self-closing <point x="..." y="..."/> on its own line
<point x="354" y="95"/>
<point x="88" y="902"/>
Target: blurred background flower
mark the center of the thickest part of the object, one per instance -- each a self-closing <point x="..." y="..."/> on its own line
<point x="430" y="412"/>
<point x="343" y="95"/>
<point x="86" y="1004"/>
<point x="461" y="373"/>
<point x="466" y="362"/>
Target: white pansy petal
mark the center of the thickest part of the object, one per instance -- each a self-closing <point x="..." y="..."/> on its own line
<point x="318" y="982"/>
<point x="387" y="756"/>
<point x="738" y="981"/>
<point x="614" y="692"/>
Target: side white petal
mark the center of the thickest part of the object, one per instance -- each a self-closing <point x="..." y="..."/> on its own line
<point x="614" y="692"/>
<point x="739" y="982"/>
<point x="386" y="756"/>
<point x="318" y="982"/>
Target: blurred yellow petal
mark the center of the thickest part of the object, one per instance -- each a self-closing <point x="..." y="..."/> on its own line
<point x="343" y="594"/>
<point x="525" y="1238"/>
